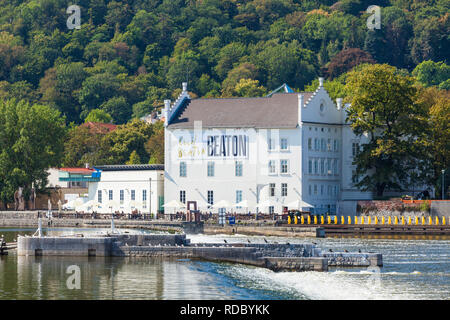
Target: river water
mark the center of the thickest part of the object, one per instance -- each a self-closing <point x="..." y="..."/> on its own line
<point x="417" y="268"/>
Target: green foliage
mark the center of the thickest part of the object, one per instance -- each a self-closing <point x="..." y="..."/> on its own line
<point x="32" y="138"/>
<point x="143" y="50"/>
<point x="118" y="145"/>
<point x="155" y="145"/>
<point x="118" y="108"/>
<point x="249" y="88"/>
<point x="430" y="73"/>
<point x="383" y="109"/>
<point x="98" y="115"/>
<point x="134" y="158"/>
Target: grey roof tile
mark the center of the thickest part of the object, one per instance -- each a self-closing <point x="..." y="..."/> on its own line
<point x="278" y="111"/>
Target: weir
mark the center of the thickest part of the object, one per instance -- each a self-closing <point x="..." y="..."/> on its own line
<point x="277" y="257"/>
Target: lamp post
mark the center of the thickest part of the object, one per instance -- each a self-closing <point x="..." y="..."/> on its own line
<point x="443" y="182"/>
<point x="150" y="199"/>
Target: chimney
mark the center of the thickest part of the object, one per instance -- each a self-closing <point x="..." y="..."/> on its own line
<point x="86" y="165"/>
<point x="321" y="82"/>
<point x="301" y="101"/>
<point x="166" y="111"/>
<point x="339" y="103"/>
<point x="184" y="84"/>
<point x="301" y="104"/>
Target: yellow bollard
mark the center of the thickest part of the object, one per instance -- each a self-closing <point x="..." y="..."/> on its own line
<point x="443" y="221"/>
<point x="362" y="220"/>
<point x="369" y="220"/>
<point x="409" y="220"/>
<point x="382" y="220"/>
<point x="416" y="221"/>
<point x="376" y="220"/>
<point x="342" y="220"/>
<point x="395" y="220"/>
<point x="403" y="220"/>
<point x="349" y="220"/>
<point x="289" y="220"/>
<point x="356" y="220"/>
<point x="302" y="220"/>
<point x="437" y="221"/>
<point x="309" y="220"/>
<point x="430" y="221"/>
<point x="423" y="220"/>
<point x="322" y="220"/>
<point x="329" y="220"/>
<point x="335" y="219"/>
<point x="295" y="220"/>
<point x="389" y="220"/>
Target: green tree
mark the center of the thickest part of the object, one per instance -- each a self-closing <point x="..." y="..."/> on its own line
<point x="155" y="145"/>
<point x="59" y="88"/>
<point x="118" y="108"/>
<point x="120" y="143"/>
<point x="249" y="88"/>
<point x="134" y="158"/>
<point x="430" y="73"/>
<point x="98" y="115"/>
<point x="383" y="108"/>
<point x="437" y="139"/>
<point x="32" y="138"/>
<point x="96" y="90"/>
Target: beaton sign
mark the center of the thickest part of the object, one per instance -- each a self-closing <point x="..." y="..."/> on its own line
<point x="227" y="146"/>
<point x="213" y="144"/>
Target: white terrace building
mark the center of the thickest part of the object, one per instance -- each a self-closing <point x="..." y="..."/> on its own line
<point x="270" y="151"/>
<point x="128" y="187"/>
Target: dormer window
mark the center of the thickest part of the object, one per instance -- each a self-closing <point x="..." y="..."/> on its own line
<point x="322" y="107"/>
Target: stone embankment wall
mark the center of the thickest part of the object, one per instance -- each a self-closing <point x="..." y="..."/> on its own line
<point x="29" y="219"/>
<point x="265" y="231"/>
<point x="380" y="208"/>
<point x="298" y="257"/>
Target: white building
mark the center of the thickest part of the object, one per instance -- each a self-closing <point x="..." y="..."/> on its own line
<point x="127" y="187"/>
<point x="269" y="151"/>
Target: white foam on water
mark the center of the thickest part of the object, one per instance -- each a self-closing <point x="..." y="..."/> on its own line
<point x="339" y="284"/>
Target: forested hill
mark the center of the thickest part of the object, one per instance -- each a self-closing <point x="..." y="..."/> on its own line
<point x="130" y="55"/>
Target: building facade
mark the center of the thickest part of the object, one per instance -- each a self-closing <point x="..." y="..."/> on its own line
<point x="128" y="187"/>
<point x="268" y="152"/>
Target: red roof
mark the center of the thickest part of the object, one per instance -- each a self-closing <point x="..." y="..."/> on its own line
<point x="99" y="126"/>
<point x="78" y="170"/>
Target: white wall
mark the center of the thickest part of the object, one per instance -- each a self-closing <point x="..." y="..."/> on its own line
<point x="319" y="118"/>
<point x="127" y="180"/>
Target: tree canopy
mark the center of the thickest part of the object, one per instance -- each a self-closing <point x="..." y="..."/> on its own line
<point x="31" y="137"/>
<point x="128" y="56"/>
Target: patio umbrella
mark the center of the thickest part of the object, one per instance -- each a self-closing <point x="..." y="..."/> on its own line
<point x="132" y="204"/>
<point x="174" y="204"/>
<point x="243" y="204"/>
<point x="222" y="204"/>
<point x="202" y="204"/>
<point x="112" y="204"/>
<point x="73" y="204"/>
<point x="268" y="203"/>
<point x="91" y="204"/>
<point x="297" y="204"/>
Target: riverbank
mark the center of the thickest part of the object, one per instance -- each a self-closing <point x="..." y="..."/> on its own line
<point x="250" y="227"/>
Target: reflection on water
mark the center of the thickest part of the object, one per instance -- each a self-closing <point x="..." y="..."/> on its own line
<point x="413" y="269"/>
